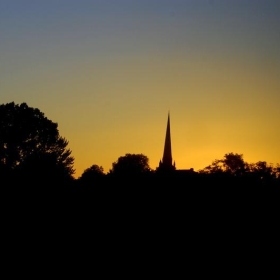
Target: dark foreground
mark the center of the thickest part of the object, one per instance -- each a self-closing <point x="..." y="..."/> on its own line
<point x="197" y="218"/>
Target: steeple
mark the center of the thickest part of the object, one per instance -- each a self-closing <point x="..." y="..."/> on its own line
<point x="166" y="162"/>
<point x="167" y="153"/>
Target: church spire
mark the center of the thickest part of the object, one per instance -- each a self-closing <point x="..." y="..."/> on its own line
<point x="166" y="162"/>
<point x="167" y="153"/>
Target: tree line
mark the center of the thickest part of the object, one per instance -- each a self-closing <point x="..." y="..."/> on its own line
<point x="32" y="152"/>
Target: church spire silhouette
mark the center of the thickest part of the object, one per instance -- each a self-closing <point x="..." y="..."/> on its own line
<point x="166" y="162"/>
<point x="167" y="152"/>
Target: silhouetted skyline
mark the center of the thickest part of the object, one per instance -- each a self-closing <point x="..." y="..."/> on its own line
<point x="34" y="154"/>
<point x="108" y="71"/>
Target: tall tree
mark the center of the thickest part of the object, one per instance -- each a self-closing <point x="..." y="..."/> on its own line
<point x="30" y="142"/>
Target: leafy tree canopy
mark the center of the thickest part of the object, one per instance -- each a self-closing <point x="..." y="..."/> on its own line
<point x="29" y="140"/>
<point x="234" y="164"/>
<point x="131" y="164"/>
<point x="91" y="174"/>
<point x="231" y="163"/>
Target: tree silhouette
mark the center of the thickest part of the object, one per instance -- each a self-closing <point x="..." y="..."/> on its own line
<point x="131" y="165"/>
<point x="216" y="167"/>
<point x="91" y="175"/>
<point x="234" y="163"/>
<point x="263" y="171"/>
<point x="30" y="143"/>
<point x="231" y="163"/>
<point x="276" y="170"/>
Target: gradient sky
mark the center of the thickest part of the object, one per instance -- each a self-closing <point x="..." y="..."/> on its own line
<point x="108" y="71"/>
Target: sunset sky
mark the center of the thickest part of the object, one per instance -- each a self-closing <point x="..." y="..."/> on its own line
<point x="108" y="72"/>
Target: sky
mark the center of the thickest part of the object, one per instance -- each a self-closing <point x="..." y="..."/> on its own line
<point x="108" y="72"/>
